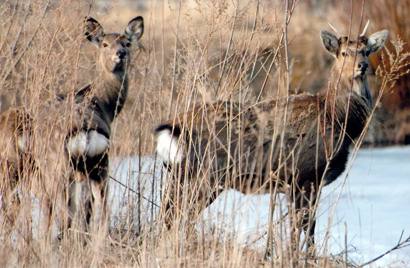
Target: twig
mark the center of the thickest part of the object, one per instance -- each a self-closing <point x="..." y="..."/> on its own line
<point x="13" y="16"/>
<point x="174" y="68"/>
<point x="14" y="45"/>
<point x="133" y="191"/>
<point x="400" y="244"/>
<point x="4" y="78"/>
<point x="230" y="42"/>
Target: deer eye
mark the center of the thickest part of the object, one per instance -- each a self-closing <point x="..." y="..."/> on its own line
<point x="105" y="44"/>
<point x="128" y="44"/>
<point x="344" y="54"/>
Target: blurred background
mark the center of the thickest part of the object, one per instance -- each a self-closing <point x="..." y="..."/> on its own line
<point x="308" y="61"/>
<point x="197" y="51"/>
<point x="217" y="49"/>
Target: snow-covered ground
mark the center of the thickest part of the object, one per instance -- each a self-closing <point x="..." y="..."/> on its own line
<point x="369" y="205"/>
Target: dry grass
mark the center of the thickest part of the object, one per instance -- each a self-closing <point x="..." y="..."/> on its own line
<point x="194" y="52"/>
<point x="392" y="123"/>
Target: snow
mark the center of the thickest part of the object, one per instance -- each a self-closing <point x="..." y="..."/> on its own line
<point x="135" y="191"/>
<point x="373" y="204"/>
<point x="368" y="205"/>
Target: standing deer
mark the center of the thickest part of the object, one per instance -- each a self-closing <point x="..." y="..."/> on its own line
<point x="88" y="141"/>
<point x="70" y="136"/>
<point x="291" y="145"/>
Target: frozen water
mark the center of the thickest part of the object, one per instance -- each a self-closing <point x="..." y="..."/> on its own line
<point x="135" y="191"/>
<point x="371" y="200"/>
<point x="369" y="204"/>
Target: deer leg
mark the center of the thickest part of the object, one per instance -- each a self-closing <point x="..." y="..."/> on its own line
<point x="45" y="218"/>
<point x="98" y="183"/>
<point x="305" y="208"/>
<point x="10" y="209"/>
<point x="88" y="210"/>
<point x="10" y="202"/>
<point x="76" y="207"/>
<point x="199" y="198"/>
<point x="98" y="189"/>
<point x="171" y="203"/>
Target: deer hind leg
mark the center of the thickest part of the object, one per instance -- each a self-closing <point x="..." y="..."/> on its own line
<point x="9" y="200"/>
<point x="15" y="208"/>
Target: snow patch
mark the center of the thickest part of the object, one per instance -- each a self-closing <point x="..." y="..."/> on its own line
<point x="135" y="191"/>
<point x="372" y="203"/>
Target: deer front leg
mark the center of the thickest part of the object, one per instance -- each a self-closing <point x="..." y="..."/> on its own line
<point x="197" y="196"/>
<point x="76" y="203"/>
<point x="99" y="205"/>
<point x="93" y="171"/>
<point x="98" y="175"/>
<point x="304" y="200"/>
<point x="171" y="203"/>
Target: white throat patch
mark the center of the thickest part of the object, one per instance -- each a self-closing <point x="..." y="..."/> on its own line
<point x="116" y="59"/>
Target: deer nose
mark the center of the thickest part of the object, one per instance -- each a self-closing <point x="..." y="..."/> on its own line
<point x="363" y="66"/>
<point x="121" y="53"/>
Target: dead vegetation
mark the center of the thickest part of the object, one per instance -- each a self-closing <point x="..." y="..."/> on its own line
<point x="193" y="52"/>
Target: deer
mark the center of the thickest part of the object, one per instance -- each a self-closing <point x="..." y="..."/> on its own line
<point x="70" y="135"/>
<point x="15" y="159"/>
<point x="87" y="143"/>
<point x="290" y="145"/>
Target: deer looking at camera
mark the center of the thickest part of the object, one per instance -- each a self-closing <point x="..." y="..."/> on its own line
<point x="87" y="143"/>
<point x="291" y="145"/>
<point x="69" y="137"/>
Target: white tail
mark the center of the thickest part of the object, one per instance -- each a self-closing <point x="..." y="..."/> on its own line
<point x="229" y="144"/>
<point x="168" y="145"/>
<point x="79" y="126"/>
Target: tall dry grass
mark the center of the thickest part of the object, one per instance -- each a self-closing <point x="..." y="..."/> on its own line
<point x="392" y="121"/>
<point x="194" y="52"/>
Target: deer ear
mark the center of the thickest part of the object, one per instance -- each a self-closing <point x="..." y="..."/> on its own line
<point x="93" y="31"/>
<point x="330" y="42"/>
<point x="135" y="28"/>
<point x="376" y="41"/>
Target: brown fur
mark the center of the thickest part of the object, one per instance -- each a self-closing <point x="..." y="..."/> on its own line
<point x="60" y="162"/>
<point x="15" y="160"/>
<point x="292" y="145"/>
<point x="14" y="125"/>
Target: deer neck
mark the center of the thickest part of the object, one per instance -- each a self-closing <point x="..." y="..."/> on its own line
<point x="110" y="91"/>
<point x="349" y="100"/>
<point x="361" y="87"/>
<point x="340" y="86"/>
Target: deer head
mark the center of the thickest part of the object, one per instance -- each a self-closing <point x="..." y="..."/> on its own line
<point x="114" y="47"/>
<point x="352" y="56"/>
